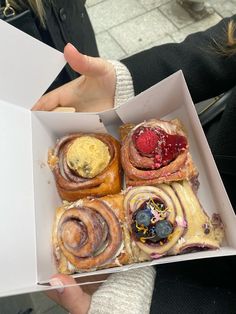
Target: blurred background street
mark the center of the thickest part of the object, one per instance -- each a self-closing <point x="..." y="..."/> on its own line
<point x="124" y="27"/>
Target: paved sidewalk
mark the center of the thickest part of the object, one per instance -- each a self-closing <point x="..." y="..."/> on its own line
<point x="124" y="27"/>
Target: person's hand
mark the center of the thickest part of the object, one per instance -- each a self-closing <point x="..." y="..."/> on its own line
<point x="72" y="298"/>
<point x="75" y="299"/>
<point x="93" y="91"/>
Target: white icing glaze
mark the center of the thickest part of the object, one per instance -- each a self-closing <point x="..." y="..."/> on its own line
<point x="181" y="240"/>
<point x="57" y="252"/>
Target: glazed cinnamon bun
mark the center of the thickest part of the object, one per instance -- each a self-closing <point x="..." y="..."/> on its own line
<point x="91" y="234"/>
<point x="168" y="220"/>
<point x="86" y="165"/>
<point x="141" y="224"/>
<point x="154" y="152"/>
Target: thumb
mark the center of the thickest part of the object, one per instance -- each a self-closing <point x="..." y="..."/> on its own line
<point x="84" y="64"/>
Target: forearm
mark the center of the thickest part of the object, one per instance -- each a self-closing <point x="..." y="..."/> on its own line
<point x="125" y="292"/>
<point x="207" y="73"/>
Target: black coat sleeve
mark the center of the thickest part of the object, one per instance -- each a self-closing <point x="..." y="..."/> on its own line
<point x="206" y="72"/>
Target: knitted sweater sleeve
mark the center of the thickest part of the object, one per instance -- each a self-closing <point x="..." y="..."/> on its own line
<point x="124" y="84"/>
<point x="128" y="291"/>
<point x="125" y="292"/>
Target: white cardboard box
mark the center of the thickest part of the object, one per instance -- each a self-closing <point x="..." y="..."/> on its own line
<point x="28" y="193"/>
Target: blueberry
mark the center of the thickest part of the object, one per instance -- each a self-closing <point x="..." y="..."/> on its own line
<point x="139" y="234"/>
<point x="155" y="239"/>
<point x="163" y="228"/>
<point x="143" y="217"/>
<point x="152" y="231"/>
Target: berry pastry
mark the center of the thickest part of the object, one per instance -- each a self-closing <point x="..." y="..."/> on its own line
<point x="156" y="151"/>
<point x="169" y="220"/>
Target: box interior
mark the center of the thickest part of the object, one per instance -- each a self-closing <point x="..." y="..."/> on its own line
<point x="48" y="127"/>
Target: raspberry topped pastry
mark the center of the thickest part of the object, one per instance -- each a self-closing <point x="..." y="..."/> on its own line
<point x="156" y="151"/>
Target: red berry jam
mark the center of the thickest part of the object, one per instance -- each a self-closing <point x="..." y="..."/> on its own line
<point x="156" y="143"/>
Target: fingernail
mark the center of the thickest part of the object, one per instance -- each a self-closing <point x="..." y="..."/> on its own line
<point x="55" y="282"/>
<point x="70" y="45"/>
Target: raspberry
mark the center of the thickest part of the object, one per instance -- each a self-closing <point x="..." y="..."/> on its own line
<point x="146" y="141"/>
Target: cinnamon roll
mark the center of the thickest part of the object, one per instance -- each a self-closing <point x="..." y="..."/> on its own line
<point x="154" y="152"/>
<point x="91" y="234"/>
<point x="86" y="165"/>
<point x="168" y="220"/>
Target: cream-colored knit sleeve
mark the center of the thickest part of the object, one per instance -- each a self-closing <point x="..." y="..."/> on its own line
<point x="128" y="292"/>
<point x="124" y="83"/>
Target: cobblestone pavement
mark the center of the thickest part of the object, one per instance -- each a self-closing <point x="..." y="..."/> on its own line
<point x="122" y="28"/>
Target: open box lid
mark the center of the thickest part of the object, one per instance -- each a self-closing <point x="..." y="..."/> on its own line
<point x="28" y="67"/>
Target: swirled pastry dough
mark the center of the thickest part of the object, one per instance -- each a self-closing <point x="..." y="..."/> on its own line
<point x="86" y="165"/>
<point x="169" y="220"/>
<point x="154" y="152"/>
<point x="91" y="234"/>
